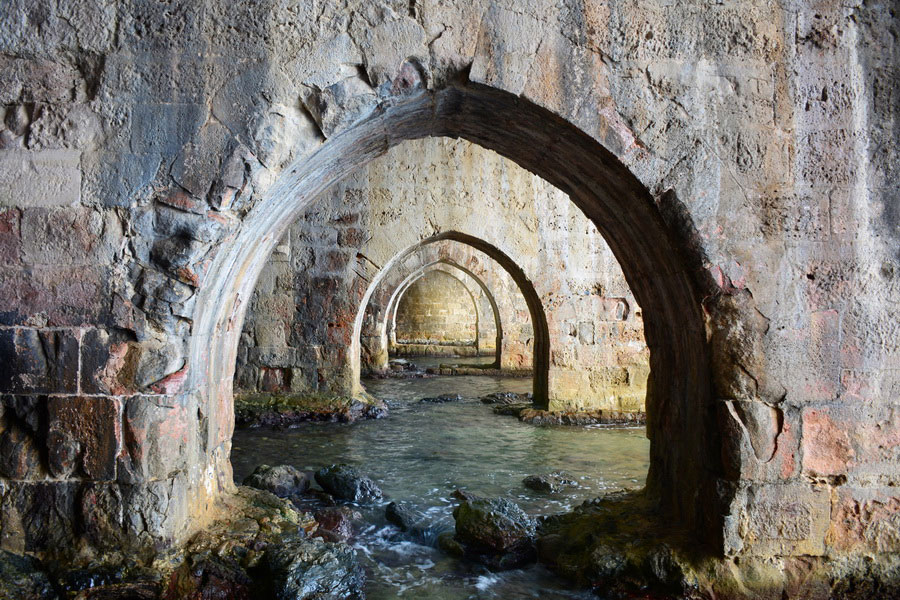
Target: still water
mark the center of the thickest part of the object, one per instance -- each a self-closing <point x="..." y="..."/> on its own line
<point x="423" y="452"/>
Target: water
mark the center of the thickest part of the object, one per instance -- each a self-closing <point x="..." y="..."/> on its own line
<point x="423" y="452"/>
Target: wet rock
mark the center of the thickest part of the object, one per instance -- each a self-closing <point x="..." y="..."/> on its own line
<point x="336" y="524"/>
<point x="21" y="578"/>
<point x="461" y="494"/>
<point x="291" y="410"/>
<point x="401" y="515"/>
<point x="281" y="480"/>
<point x="447" y="543"/>
<point x="442" y="399"/>
<point x="496" y="532"/>
<point x="506" y="398"/>
<point x="346" y="483"/>
<point x="310" y="569"/>
<point x="209" y="576"/>
<point x="551" y="482"/>
<point x="527" y="413"/>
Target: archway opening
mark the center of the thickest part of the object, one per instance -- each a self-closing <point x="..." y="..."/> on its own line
<point x="662" y="278"/>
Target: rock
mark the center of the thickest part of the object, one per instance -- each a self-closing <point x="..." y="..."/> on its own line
<point x="496" y="532"/>
<point x="442" y="399"/>
<point x="551" y="482"/>
<point x="310" y="569"/>
<point x="448" y="544"/>
<point x="21" y="578"/>
<point x="461" y="494"/>
<point x="346" y="483"/>
<point x="505" y="398"/>
<point x="336" y="524"/>
<point x="401" y="515"/>
<point x="208" y="576"/>
<point x="281" y="480"/>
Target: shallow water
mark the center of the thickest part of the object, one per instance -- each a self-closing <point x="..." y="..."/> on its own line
<point x="422" y="452"/>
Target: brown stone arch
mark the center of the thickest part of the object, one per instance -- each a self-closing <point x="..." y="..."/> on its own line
<point x="658" y="261"/>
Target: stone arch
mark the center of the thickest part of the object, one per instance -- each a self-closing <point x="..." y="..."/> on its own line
<point x="541" y="361"/>
<point x="382" y="325"/>
<point x="459" y="278"/>
<point x="658" y="259"/>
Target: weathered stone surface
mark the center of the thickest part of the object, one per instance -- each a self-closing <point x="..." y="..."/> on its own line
<point x="83" y="436"/>
<point x="39" y="361"/>
<point x="39" y="179"/>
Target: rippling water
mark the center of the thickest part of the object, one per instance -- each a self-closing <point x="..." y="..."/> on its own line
<point x="423" y="452"/>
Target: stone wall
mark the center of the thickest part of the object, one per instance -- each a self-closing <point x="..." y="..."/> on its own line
<point x="739" y="159"/>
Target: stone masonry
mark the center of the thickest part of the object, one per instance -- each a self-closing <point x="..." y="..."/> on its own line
<point x="739" y="159"/>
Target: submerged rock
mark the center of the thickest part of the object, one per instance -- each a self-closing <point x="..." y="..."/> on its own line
<point x="281" y="480"/>
<point x="289" y="410"/>
<point x="442" y="399"/>
<point x="527" y="413"/>
<point x="346" y="483"/>
<point x="496" y="532"/>
<point x="21" y="578"/>
<point x="401" y="515"/>
<point x="505" y="398"/>
<point x="551" y="482"/>
<point x="310" y="569"/>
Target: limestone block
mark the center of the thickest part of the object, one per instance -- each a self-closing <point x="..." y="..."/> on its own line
<point x="145" y="25"/>
<point x="387" y="45"/>
<point x="54" y="296"/>
<point x="10" y="236"/>
<point x="39" y="361"/>
<point x="39" y="179"/>
<point x="507" y="43"/>
<point x="70" y="236"/>
<point x="30" y="81"/>
<point x="759" y="442"/>
<point x="165" y="128"/>
<point x="864" y="519"/>
<point x="37" y="516"/>
<point x="83" y="436"/>
<point x="783" y="519"/>
<point x="117" y="178"/>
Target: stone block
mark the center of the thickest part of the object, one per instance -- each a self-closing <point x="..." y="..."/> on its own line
<point x="156" y="438"/>
<point x="54" y="296"/>
<point x="864" y="520"/>
<point x="778" y="519"/>
<point x="277" y="357"/>
<point x="165" y="128"/>
<point x="83" y="437"/>
<point x="70" y="236"/>
<point x="22" y="425"/>
<point x="10" y="237"/>
<point x="40" y="179"/>
<point x="29" y="81"/>
<point x="34" y="361"/>
<point x="118" y="178"/>
<point x="108" y="362"/>
<point x="826" y="444"/>
<point x="39" y="516"/>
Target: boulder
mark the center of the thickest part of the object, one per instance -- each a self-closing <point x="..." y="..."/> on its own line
<point x="310" y="569"/>
<point x="346" y="483"/>
<point x="282" y="480"/>
<point x="550" y="482"/>
<point x="496" y="532"/>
